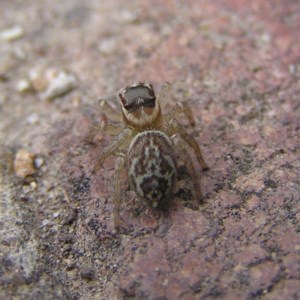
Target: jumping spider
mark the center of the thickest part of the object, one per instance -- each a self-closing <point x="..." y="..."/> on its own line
<point x="148" y="143"/>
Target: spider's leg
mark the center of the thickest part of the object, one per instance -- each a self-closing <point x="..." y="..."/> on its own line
<point x="174" y="127"/>
<point x="181" y="107"/>
<point x="109" y="111"/>
<point x="104" y="128"/>
<point x="119" y="168"/>
<point x="165" y="94"/>
<point x="182" y="151"/>
<point x="122" y="139"/>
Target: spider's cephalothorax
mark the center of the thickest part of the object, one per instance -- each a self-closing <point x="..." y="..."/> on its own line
<point x="139" y="105"/>
<point x="148" y="144"/>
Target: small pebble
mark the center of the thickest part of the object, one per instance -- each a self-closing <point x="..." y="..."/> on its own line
<point x="33" y="185"/>
<point x="33" y="119"/>
<point x="107" y="46"/>
<point x="12" y="33"/>
<point x="46" y="222"/>
<point x="56" y="214"/>
<point x="38" y="81"/>
<point x="23" y="163"/>
<point x="23" y="86"/>
<point x="38" y="162"/>
<point x="61" y="84"/>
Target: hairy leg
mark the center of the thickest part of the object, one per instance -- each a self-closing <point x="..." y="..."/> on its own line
<point x="120" y="142"/>
<point x="102" y="127"/>
<point x="175" y="128"/>
<point x="181" y="107"/>
<point x="165" y="94"/>
<point x="119" y="168"/>
<point x="183" y="153"/>
<point x="109" y="111"/>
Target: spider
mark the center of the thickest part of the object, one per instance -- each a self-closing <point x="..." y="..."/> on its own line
<point x="148" y="144"/>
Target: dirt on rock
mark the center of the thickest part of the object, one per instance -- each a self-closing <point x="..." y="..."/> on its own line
<point x="238" y="65"/>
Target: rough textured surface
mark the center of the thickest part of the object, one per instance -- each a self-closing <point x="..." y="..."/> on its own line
<point x="238" y="63"/>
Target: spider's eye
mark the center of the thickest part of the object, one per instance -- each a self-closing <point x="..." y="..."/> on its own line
<point x="135" y="96"/>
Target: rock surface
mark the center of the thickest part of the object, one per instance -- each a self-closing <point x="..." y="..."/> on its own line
<point x="238" y="64"/>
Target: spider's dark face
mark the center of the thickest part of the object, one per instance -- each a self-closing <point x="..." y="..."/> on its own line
<point x="138" y="95"/>
<point x="139" y="104"/>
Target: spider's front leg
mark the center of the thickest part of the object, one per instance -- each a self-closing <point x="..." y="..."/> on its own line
<point x="173" y="127"/>
<point x="119" y="168"/>
<point x="121" y="141"/>
<point x="165" y="94"/>
<point x="181" y="106"/>
<point x="109" y="111"/>
<point x="102" y="127"/>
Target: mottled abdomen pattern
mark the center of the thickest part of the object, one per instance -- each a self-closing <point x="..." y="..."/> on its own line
<point x="151" y="166"/>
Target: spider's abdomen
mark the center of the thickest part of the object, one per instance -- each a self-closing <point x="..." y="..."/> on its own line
<point x="151" y="166"/>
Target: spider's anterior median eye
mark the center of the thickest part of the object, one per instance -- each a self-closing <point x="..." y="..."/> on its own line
<point x="135" y="96"/>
